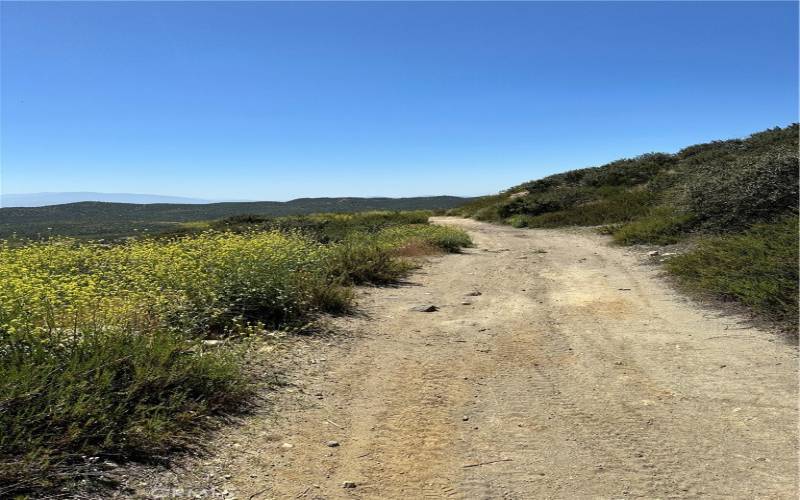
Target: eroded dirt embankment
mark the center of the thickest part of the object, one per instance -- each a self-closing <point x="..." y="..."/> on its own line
<point x="576" y="373"/>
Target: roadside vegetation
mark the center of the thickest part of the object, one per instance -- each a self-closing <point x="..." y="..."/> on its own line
<point x="109" y="352"/>
<point x="732" y="203"/>
<point x="757" y="267"/>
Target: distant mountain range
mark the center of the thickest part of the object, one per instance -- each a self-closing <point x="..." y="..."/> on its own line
<point x="44" y="199"/>
<point x="91" y="219"/>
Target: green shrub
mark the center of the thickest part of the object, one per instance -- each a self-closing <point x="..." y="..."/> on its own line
<point x="559" y="198"/>
<point x="372" y="258"/>
<point x="620" y="207"/>
<point x="628" y="172"/>
<point x="757" y="268"/>
<point x="361" y="259"/>
<point x="113" y="393"/>
<point x="568" y="178"/>
<point x="662" y="226"/>
<point x="730" y="196"/>
<point x="491" y="213"/>
<point x="444" y="238"/>
<point x="469" y="209"/>
<point x="518" y="221"/>
<point x="608" y="229"/>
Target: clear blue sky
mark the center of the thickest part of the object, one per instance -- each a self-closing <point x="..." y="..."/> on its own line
<point x="283" y="100"/>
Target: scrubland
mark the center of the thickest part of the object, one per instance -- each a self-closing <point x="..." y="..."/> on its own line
<point x="111" y="352"/>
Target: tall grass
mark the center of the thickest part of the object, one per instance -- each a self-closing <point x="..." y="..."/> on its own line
<point x="106" y="394"/>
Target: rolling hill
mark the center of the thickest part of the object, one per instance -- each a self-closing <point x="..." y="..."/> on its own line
<point x="114" y="220"/>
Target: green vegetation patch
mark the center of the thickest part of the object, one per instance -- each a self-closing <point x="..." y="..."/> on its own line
<point x="757" y="268"/>
<point x="621" y="206"/>
<point x="102" y="348"/>
<point x="728" y="196"/>
<point x="662" y="226"/>
<point x="67" y="398"/>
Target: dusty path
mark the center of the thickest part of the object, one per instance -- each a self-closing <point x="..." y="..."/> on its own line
<point x="576" y="373"/>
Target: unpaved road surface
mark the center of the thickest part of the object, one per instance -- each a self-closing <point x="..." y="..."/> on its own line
<point x="576" y="373"/>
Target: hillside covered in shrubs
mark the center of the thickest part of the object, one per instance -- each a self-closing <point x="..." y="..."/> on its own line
<point x="734" y="202"/>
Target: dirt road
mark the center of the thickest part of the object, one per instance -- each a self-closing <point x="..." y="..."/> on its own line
<point x="576" y="373"/>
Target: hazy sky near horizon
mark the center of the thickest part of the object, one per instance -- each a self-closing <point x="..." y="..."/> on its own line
<point x="283" y="100"/>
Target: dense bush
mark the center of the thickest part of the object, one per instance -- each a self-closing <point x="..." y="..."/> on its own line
<point x="361" y="259"/>
<point x="491" y="213"/>
<point x="757" y="268"/>
<point x="621" y="206"/>
<point x="629" y="173"/>
<point x="662" y="226"/>
<point x="371" y="258"/>
<point x="569" y="178"/>
<point x="108" y="393"/>
<point x="558" y="198"/>
<point x="518" y="220"/>
<point x="443" y="238"/>
<point x="731" y="196"/>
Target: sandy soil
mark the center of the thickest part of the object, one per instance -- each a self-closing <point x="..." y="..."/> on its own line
<point x="576" y="373"/>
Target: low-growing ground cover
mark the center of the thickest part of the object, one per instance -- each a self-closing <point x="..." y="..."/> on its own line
<point x="757" y="267"/>
<point x="102" y="348"/>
